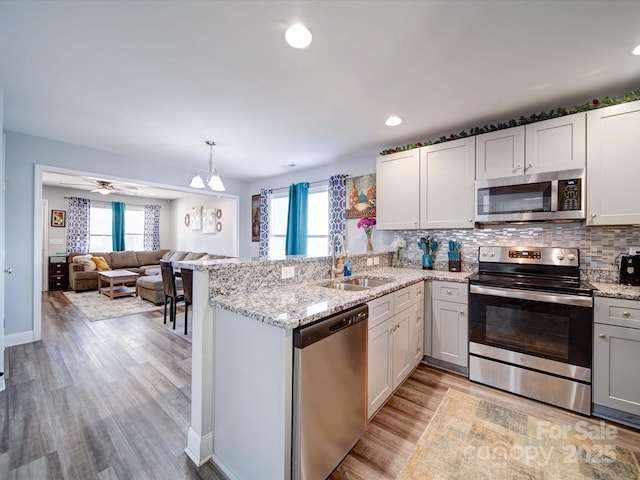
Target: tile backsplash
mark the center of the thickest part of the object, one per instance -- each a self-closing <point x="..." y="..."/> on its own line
<point x="598" y="246"/>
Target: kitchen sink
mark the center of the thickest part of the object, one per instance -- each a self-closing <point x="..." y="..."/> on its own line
<point x="345" y="286"/>
<point x="369" y="282"/>
<point x="357" y="283"/>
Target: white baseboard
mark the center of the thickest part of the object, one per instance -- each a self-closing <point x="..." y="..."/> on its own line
<point x="13" y="339"/>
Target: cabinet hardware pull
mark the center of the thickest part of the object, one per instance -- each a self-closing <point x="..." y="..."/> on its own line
<point x="461" y="312"/>
<point x="518" y="167"/>
<point x="8" y="270"/>
<point x="469" y="220"/>
<point x="625" y="314"/>
<point x="602" y="335"/>
<point x="448" y="292"/>
<point x="528" y="166"/>
<point x="593" y="215"/>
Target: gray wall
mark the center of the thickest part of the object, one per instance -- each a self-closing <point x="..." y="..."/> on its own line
<point x="23" y="153"/>
<point x="219" y="243"/>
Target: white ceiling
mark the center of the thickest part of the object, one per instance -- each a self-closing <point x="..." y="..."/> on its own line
<point x="154" y="80"/>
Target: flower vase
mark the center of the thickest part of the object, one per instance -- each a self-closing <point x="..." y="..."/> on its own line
<point x="369" y="244"/>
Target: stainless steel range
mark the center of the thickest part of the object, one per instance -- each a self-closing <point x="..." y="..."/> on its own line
<point x="531" y="323"/>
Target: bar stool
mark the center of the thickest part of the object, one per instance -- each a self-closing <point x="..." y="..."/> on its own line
<point x="170" y="292"/>
<point x="187" y="287"/>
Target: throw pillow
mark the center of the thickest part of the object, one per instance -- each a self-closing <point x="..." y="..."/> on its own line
<point x="101" y="263"/>
<point x="88" y="265"/>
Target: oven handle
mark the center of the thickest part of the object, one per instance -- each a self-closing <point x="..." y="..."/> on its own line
<point x="533" y="296"/>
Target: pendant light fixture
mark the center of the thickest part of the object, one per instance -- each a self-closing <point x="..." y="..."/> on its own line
<point x="212" y="180"/>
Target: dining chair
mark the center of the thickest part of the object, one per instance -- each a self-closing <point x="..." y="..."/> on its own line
<point x="187" y="287"/>
<point x="171" y="293"/>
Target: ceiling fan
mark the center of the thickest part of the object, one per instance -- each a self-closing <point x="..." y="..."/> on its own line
<point x="105" y="187"/>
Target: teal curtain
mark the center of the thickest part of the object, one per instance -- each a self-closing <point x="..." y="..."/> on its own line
<point x="117" y="227"/>
<point x="297" y="219"/>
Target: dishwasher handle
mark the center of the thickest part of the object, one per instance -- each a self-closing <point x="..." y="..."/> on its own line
<point x="314" y="332"/>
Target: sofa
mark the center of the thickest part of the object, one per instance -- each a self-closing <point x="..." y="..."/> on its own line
<point x="144" y="263"/>
<point x="81" y="278"/>
<point x="150" y="286"/>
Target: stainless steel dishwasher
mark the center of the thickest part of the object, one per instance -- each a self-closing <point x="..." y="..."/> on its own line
<point x="329" y="392"/>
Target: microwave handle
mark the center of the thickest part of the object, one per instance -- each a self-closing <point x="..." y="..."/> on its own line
<point x="554" y="195"/>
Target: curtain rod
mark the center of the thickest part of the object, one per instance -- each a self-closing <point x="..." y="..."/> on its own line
<point x="310" y="183"/>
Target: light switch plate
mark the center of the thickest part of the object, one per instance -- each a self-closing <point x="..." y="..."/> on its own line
<point x="369" y="261"/>
<point x="376" y="260"/>
<point x="634" y="250"/>
<point x="288" y="272"/>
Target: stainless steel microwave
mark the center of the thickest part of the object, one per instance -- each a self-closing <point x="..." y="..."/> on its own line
<point x="544" y="196"/>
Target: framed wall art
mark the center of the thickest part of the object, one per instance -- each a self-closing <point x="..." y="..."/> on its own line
<point x="209" y="220"/>
<point x="255" y="218"/>
<point x="195" y="218"/>
<point x="58" y="218"/>
<point x="361" y="196"/>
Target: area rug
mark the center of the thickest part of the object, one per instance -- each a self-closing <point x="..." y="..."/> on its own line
<point x="469" y="438"/>
<point x="97" y="306"/>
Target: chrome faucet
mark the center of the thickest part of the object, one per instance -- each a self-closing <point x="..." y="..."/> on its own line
<point x="335" y="270"/>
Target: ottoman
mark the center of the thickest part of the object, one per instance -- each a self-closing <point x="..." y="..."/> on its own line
<point x="150" y="288"/>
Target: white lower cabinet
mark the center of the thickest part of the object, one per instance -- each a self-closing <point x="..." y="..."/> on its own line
<point x="395" y="325"/>
<point x="616" y="355"/>
<point x="449" y="335"/>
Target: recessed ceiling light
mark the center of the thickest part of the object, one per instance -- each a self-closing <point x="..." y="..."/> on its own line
<point x="636" y="51"/>
<point x="393" y="121"/>
<point x="298" y="36"/>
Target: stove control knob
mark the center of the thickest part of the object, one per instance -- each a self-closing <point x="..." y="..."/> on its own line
<point x="561" y="256"/>
<point x="571" y="257"/>
<point x="492" y="254"/>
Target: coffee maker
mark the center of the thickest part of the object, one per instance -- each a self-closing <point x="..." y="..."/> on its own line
<point x="629" y="273"/>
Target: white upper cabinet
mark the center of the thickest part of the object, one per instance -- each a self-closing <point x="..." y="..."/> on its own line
<point x="556" y="145"/>
<point x="398" y="190"/>
<point x="500" y="154"/>
<point x="447" y="175"/>
<point x="613" y="196"/>
<point x="549" y="146"/>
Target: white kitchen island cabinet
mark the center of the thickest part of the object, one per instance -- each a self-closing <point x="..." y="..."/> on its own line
<point x="613" y="143"/>
<point x="391" y="342"/>
<point x="242" y="364"/>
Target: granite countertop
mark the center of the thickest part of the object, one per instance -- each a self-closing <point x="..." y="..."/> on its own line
<point x="616" y="290"/>
<point x="292" y="306"/>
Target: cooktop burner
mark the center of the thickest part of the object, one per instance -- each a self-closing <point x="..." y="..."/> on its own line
<point x="547" y="269"/>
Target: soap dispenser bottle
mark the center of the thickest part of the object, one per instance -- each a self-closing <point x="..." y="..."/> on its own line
<point x="348" y="266"/>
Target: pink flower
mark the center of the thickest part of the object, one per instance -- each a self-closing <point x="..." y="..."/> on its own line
<point x="366" y="222"/>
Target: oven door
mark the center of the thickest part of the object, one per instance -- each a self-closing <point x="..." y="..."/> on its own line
<point x="538" y="324"/>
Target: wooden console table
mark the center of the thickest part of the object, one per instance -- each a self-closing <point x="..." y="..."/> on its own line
<point x="116" y="280"/>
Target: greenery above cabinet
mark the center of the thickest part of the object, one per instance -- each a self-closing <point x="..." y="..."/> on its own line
<point x="523" y="120"/>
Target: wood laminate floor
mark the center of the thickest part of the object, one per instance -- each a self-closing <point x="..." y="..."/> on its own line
<point x="111" y="400"/>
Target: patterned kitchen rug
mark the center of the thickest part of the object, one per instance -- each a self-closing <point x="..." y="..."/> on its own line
<point x="473" y="439"/>
<point x="97" y="306"/>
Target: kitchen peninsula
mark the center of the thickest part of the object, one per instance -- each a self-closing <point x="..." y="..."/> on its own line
<point x="244" y="315"/>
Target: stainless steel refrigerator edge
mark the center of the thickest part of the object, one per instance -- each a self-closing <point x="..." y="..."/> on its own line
<point x="329" y="392"/>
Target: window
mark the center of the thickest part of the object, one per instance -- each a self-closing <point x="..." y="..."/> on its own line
<point x="317" y="226"/>
<point x="100" y="224"/>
